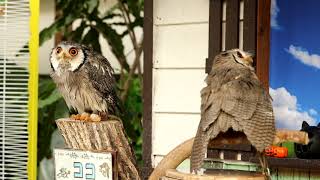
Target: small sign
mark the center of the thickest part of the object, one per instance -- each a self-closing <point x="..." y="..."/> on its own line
<point x="82" y="165"/>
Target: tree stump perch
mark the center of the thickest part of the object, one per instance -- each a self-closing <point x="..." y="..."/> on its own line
<point x="101" y="136"/>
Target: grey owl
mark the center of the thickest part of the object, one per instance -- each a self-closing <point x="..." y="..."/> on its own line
<point x="233" y="98"/>
<point x="84" y="78"/>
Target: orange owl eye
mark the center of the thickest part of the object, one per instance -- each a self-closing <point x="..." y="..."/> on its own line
<point x="58" y="50"/>
<point x="73" y="51"/>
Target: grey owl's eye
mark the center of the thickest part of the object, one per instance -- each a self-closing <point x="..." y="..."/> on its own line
<point x="239" y="54"/>
<point x="58" y="50"/>
<point x="73" y="51"/>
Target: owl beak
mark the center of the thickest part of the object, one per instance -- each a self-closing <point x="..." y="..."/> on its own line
<point x="65" y="56"/>
<point x="248" y="57"/>
<point x="251" y="53"/>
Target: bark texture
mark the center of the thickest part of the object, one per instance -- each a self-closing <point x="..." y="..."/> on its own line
<point x="101" y="136"/>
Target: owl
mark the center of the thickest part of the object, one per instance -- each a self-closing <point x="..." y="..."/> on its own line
<point x="84" y="78"/>
<point x="234" y="99"/>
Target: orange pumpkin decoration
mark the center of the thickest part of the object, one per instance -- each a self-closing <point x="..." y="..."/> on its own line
<point x="276" y="151"/>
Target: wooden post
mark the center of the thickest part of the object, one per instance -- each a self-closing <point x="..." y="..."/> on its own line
<point x="101" y="136"/>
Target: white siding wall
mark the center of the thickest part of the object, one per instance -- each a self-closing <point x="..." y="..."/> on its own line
<point x="180" y="47"/>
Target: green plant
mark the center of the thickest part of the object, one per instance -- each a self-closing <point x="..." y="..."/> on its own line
<point x="51" y="107"/>
<point x="133" y="115"/>
<point x="125" y="14"/>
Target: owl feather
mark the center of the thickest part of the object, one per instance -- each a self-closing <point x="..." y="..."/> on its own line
<point x="234" y="99"/>
<point x="84" y="78"/>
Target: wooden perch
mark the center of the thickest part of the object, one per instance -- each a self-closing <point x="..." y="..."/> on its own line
<point x="283" y="135"/>
<point x="101" y="136"/>
<point x="172" y="159"/>
<point x="183" y="151"/>
<point x="173" y="174"/>
<point x="231" y="138"/>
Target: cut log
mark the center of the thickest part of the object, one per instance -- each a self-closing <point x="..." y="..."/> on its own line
<point x="101" y="136"/>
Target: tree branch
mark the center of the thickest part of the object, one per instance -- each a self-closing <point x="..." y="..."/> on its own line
<point x="122" y="60"/>
<point x="131" y="73"/>
<point x="127" y="20"/>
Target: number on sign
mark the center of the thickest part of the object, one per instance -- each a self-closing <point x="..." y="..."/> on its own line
<point x="90" y="170"/>
<point x="79" y="173"/>
<point x="90" y="166"/>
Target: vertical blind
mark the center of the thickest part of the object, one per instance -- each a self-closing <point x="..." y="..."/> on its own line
<point x="14" y="95"/>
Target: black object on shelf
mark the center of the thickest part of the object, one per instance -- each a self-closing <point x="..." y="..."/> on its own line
<point x="312" y="149"/>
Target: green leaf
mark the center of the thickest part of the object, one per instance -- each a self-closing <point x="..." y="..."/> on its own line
<point x="52" y="98"/>
<point x="91" y="5"/>
<point x="137" y="23"/>
<point x="62" y="22"/>
<point x="111" y="15"/>
<point x="76" y="35"/>
<point x="61" y="109"/>
<point x="118" y="23"/>
<point x="46" y="86"/>
<point x="72" y="7"/>
<point x="62" y="4"/>
<point x="90" y="39"/>
<point x="111" y="10"/>
<point x="114" y="40"/>
<point x="135" y="7"/>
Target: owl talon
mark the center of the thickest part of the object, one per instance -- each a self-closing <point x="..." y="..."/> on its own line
<point x="75" y="116"/>
<point x="103" y="115"/>
<point x="95" y="118"/>
<point x="85" y="116"/>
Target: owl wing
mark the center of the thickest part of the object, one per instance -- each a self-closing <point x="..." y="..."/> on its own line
<point x="100" y="74"/>
<point x="233" y="96"/>
<point x="246" y="100"/>
<point x="210" y="110"/>
<point x="240" y="95"/>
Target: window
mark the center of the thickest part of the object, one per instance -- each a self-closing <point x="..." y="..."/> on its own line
<point x="243" y="24"/>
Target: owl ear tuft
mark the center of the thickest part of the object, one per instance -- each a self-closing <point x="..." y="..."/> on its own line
<point x="239" y="54"/>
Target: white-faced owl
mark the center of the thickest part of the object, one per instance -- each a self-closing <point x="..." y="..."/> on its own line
<point x="84" y="78"/>
<point x="234" y="99"/>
